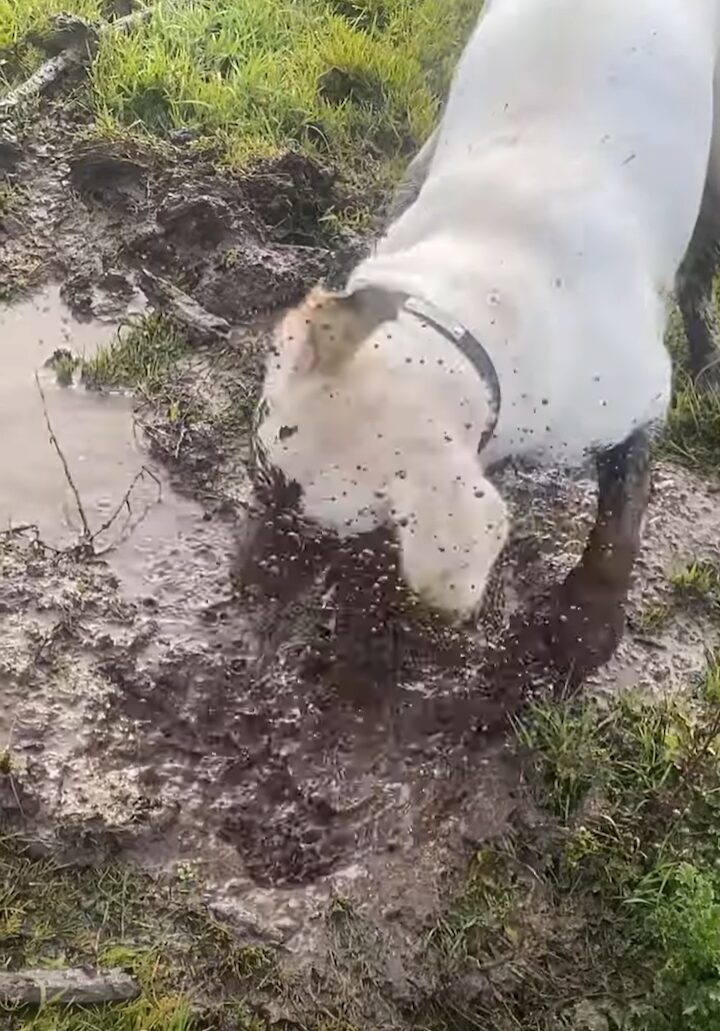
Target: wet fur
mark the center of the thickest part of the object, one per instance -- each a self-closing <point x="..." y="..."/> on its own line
<point x="553" y="229"/>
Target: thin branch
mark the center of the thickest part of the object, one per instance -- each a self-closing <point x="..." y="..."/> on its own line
<point x="69" y="987"/>
<point x="125" y="501"/>
<point x="87" y="535"/>
<point x="130" y="524"/>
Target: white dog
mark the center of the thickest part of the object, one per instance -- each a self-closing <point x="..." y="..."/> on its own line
<point x="516" y="307"/>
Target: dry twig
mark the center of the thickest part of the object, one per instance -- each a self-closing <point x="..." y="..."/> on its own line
<point x="70" y="987"/>
<point x="88" y="537"/>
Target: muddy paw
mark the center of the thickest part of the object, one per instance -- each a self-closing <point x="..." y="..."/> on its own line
<point x="584" y="628"/>
<point x="571" y="634"/>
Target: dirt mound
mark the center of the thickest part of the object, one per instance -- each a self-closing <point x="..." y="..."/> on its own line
<point x="244" y="243"/>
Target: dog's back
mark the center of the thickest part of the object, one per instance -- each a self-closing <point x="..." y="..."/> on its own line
<point x="559" y="201"/>
<point x="623" y="86"/>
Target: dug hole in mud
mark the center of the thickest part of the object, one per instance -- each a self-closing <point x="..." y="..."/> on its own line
<point x="152" y="709"/>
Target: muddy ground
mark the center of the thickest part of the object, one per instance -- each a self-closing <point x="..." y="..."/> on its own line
<point x="155" y="708"/>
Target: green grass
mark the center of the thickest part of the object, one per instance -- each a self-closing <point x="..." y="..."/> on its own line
<point x="607" y="916"/>
<point x="185" y="962"/>
<point x="652" y="617"/>
<point x="142" y="356"/>
<point x="189" y="402"/>
<point x="693" y="427"/>
<point x="356" y="83"/>
<point x="349" y="82"/>
<point x="699" y="582"/>
<point x="641" y="845"/>
<point x="149" y="356"/>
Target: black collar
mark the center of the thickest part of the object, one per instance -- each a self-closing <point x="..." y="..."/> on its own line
<point x="470" y="347"/>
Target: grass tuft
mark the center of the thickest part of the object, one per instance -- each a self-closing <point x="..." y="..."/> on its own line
<point x="693" y="426"/>
<point x="699" y="582"/>
<point x="142" y="356"/>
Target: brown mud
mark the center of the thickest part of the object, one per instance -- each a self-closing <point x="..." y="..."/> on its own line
<point x="154" y="706"/>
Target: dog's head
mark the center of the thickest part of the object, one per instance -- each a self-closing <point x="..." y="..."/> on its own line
<point x="361" y="414"/>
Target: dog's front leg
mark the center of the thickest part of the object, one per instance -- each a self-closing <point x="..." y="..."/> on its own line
<point x="695" y="292"/>
<point x="588" y="613"/>
<point x="579" y="627"/>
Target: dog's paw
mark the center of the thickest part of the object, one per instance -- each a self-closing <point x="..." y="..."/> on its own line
<point x="584" y="628"/>
<point x="572" y="633"/>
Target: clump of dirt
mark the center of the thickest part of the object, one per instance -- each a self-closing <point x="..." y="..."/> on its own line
<point x="292" y="196"/>
<point x="87" y="206"/>
<point x="112" y="178"/>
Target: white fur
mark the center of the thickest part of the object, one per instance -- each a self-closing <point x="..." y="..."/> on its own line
<point x="560" y="199"/>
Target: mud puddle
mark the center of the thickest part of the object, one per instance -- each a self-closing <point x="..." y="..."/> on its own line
<point x="158" y="542"/>
<point x="94" y="431"/>
<point x="177" y="722"/>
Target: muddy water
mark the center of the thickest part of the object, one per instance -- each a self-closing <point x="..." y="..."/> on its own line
<point x="160" y="543"/>
<point x="94" y="431"/>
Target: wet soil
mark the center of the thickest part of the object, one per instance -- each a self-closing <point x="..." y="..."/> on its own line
<point x="155" y="704"/>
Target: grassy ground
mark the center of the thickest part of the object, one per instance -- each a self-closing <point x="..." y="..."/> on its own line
<point x="192" y="973"/>
<point x="355" y="82"/>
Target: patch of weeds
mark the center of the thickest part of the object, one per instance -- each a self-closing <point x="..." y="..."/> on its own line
<point x="142" y="357"/>
<point x="572" y="753"/>
<point x="608" y="916"/>
<point x="652" y="618"/>
<point x="640" y="848"/>
<point x="478" y="923"/>
<point x="183" y="960"/>
<point x="230" y="258"/>
<point x="8" y="197"/>
<point x="151" y="358"/>
<point x="693" y="427"/>
<point x="699" y="582"/>
<point x="710" y="679"/>
<point x="64" y="364"/>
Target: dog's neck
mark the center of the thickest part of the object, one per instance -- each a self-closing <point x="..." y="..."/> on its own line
<point x="461" y="337"/>
<point x="389" y="304"/>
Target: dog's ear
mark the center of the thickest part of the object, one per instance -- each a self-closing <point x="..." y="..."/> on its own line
<point x="333" y="326"/>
